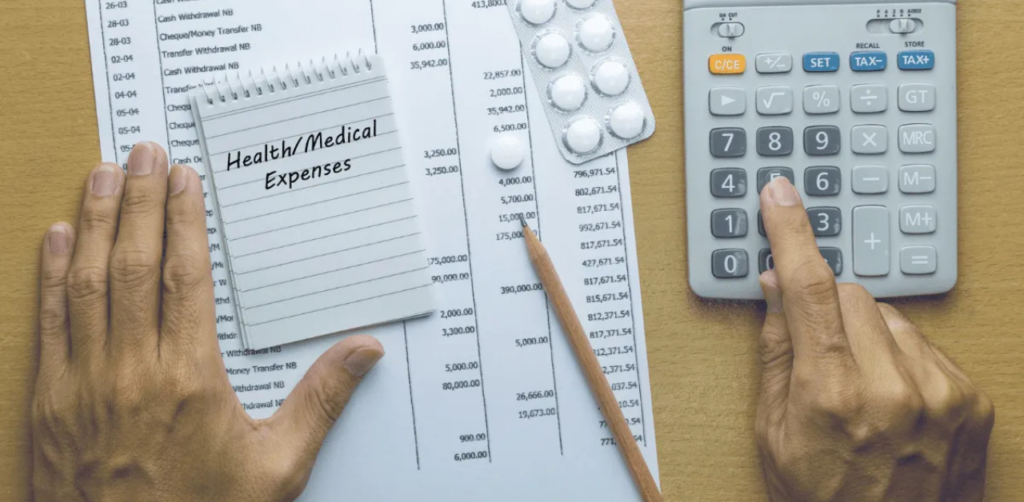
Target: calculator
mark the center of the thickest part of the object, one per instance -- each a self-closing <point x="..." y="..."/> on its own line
<point x="855" y="103"/>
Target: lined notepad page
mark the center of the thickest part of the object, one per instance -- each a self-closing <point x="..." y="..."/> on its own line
<point x="318" y="216"/>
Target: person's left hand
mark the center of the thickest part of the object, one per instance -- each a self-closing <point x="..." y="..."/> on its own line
<point x="132" y="401"/>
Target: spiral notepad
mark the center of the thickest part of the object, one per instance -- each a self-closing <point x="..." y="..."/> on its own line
<point x="317" y="215"/>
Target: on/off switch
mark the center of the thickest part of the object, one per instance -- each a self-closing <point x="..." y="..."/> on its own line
<point x="730" y="30"/>
<point x="903" y="26"/>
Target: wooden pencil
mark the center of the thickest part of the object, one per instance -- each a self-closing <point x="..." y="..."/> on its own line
<point x="591" y="367"/>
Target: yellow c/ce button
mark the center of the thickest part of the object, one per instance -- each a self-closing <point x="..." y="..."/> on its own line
<point x="727" y="64"/>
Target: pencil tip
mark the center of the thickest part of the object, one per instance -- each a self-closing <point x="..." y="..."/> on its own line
<point x="522" y="221"/>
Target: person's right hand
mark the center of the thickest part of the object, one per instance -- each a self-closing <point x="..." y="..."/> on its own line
<point x="856" y="404"/>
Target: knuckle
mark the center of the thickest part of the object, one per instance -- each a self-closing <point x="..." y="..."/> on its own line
<point x="53" y="278"/>
<point x="52" y="317"/>
<point x="814" y="281"/>
<point x="186" y="213"/>
<point x="836" y="401"/>
<point x="946" y="401"/>
<point x="184" y="274"/>
<point x="899" y="404"/>
<point x="127" y="397"/>
<point x="326" y="404"/>
<point x="140" y="201"/>
<point x="52" y="416"/>
<point x="775" y="350"/>
<point x="87" y="283"/>
<point x="984" y="411"/>
<point x="95" y="218"/>
<point x="185" y="385"/>
<point x="134" y="268"/>
<point x="853" y="291"/>
<point x="290" y="475"/>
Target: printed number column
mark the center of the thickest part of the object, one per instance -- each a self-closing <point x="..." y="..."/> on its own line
<point x="129" y="42"/>
<point x="607" y="310"/>
<point x="443" y="350"/>
<point x="491" y="87"/>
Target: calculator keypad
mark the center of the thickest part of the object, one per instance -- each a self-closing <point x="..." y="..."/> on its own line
<point x="871" y="241"/>
<point x="775" y="100"/>
<point x="766" y="175"/>
<point x="729" y="182"/>
<point x="826" y="221"/>
<point x="729" y="223"/>
<point x="862" y="122"/>
<point x="728" y="142"/>
<point x="870" y="139"/>
<point x="870" y="180"/>
<point x="730" y="264"/>
<point x="774" y="141"/>
<point x="917" y="97"/>
<point x="823" y="181"/>
<point x="728" y="101"/>
<point x="917" y="179"/>
<point x="869" y="98"/>
<point x="917" y="138"/>
<point x="821" y="99"/>
<point x="822" y="140"/>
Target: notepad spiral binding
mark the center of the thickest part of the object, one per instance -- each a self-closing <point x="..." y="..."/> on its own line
<point x="274" y="81"/>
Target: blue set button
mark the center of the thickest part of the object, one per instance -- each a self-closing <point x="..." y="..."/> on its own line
<point x="917" y="60"/>
<point x="868" y="61"/>
<point x="821" y="62"/>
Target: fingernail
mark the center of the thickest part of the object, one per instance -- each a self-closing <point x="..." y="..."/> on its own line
<point x="141" y="160"/>
<point x="772" y="293"/>
<point x="362" y="361"/>
<point x="783" y="193"/>
<point x="104" y="181"/>
<point x="178" y="179"/>
<point x="58" y="240"/>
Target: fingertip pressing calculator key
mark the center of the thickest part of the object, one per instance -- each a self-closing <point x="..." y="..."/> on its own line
<point x="855" y="103"/>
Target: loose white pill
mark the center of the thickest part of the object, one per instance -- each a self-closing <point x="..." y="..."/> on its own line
<point x="537" y="11"/>
<point x="627" y="121"/>
<point x="583" y="136"/>
<point x="596" y="33"/>
<point x="611" y="78"/>
<point x="568" y="93"/>
<point x="581" y="4"/>
<point x="552" y="50"/>
<point x="507" y="152"/>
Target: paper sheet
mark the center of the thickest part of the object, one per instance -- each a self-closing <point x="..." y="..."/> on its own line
<point x="484" y="400"/>
<point x="317" y="212"/>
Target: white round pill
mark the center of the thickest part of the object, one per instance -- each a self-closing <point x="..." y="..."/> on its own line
<point x="581" y="4"/>
<point x="583" y="136"/>
<point x="507" y="152"/>
<point x="537" y="11"/>
<point x="611" y="78"/>
<point x="627" y="121"/>
<point x="568" y="93"/>
<point x="552" y="50"/>
<point x="596" y="33"/>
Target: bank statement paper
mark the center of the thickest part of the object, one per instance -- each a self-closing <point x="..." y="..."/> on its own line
<point x="483" y="400"/>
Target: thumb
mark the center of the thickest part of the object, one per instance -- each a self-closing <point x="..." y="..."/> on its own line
<point x="318" y="400"/>
<point x="776" y="350"/>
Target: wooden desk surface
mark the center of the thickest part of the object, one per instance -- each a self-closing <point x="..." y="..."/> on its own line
<point x="703" y="354"/>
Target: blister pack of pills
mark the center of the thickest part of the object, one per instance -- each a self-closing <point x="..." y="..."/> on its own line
<point x="583" y="68"/>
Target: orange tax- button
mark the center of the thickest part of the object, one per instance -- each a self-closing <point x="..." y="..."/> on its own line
<point x="727" y="64"/>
